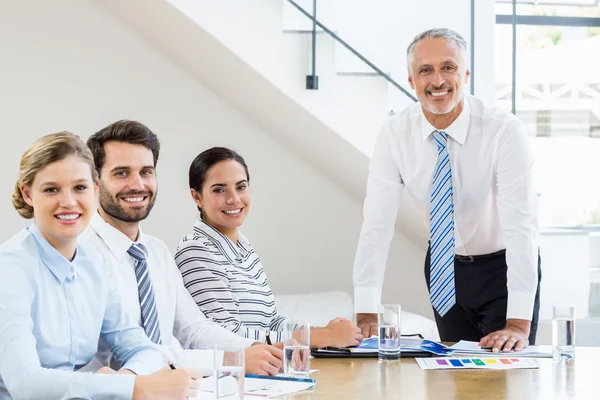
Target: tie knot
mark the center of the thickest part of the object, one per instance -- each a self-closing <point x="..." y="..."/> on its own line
<point x="441" y="138"/>
<point x="138" y="251"/>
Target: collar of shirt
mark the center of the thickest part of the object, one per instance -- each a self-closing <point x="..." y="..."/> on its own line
<point x="457" y="130"/>
<point x="227" y="247"/>
<point x="115" y="240"/>
<point x="60" y="267"/>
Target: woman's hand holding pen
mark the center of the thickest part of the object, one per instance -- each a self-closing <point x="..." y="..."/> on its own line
<point x="262" y="359"/>
<point x="339" y="332"/>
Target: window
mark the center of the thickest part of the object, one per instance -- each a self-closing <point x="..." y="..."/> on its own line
<point x="557" y="96"/>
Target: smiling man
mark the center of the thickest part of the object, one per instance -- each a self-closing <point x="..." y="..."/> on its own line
<point x="125" y="155"/>
<point x="471" y="169"/>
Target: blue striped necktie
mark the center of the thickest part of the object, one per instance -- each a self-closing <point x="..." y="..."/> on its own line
<point x="441" y="231"/>
<point x="147" y="302"/>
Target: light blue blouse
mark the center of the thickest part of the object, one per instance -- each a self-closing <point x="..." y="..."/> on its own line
<point x="52" y="313"/>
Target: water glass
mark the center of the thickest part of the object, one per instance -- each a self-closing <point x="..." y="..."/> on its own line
<point x="296" y="348"/>
<point x="388" y="321"/>
<point x="201" y="361"/>
<point x="563" y="332"/>
<point x="229" y="372"/>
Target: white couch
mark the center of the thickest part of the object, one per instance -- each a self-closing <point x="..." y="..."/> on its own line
<point x="320" y="308"/>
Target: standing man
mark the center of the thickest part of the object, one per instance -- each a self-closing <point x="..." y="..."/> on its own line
<point x="471" y="168"/>
<point x="125" y="155"/>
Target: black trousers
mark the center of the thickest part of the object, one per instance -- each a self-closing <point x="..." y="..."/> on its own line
<point x="481" y="299"/>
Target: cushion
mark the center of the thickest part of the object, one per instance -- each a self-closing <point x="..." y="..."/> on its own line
<point x="321" y="307"/>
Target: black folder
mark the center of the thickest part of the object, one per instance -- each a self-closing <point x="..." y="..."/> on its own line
<point x="403" y="354"/>
<point x="345" y="352"/>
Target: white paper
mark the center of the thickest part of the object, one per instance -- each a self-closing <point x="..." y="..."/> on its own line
<point x="263" y="388"/>
<point x="312" y="371"/>
<point x="465" y="347"/>
<point x="273" y="388"/>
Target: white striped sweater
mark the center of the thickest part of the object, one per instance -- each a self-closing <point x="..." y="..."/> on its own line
<point x="228" y="283"/>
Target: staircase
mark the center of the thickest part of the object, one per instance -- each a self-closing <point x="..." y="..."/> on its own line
<point x="256" y="55"/>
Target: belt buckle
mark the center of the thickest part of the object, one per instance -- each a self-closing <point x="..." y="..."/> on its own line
<point x="465" y="259"/>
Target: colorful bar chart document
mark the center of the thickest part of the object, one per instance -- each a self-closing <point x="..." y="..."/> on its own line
<point x="476" y="363"/>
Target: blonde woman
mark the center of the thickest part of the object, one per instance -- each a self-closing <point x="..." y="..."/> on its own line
<point x="58" y="298"/>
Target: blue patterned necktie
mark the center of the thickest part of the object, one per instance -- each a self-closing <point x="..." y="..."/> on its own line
<point x="147" y="302"/>
<point x="441" y="231"/>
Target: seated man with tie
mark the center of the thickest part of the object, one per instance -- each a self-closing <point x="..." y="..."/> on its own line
<point x="471" y="168"/>
<point x="125" y="154"/>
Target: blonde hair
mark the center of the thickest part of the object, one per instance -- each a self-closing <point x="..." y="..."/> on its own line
<point x="43" y="152"/>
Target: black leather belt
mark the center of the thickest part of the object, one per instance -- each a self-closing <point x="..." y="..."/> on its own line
<point x="480" y="257"/>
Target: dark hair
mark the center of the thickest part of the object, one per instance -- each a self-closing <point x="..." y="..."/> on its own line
<point x="206" y="160"/>
<point x="122" y="131"/>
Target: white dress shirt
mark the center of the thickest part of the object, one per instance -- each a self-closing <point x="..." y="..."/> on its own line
<point x="182" y="324"/>
<point x="495" y="202"/>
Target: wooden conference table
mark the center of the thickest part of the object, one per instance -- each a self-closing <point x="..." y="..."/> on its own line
<point x="368" y="379"/>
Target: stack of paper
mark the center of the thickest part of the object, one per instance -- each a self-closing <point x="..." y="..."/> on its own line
<point x="465" y="347"/>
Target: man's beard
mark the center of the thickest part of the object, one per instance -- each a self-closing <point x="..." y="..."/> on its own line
<point x="111" y="206"/>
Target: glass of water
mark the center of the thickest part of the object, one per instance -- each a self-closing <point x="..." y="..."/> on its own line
<point x="296" y="348"/>
<point x="563" y="332"/>
<point x="229" y="372"/>
<point x="388" y="321"/>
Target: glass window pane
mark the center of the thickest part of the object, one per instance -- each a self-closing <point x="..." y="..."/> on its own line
<point x="503" y="66"/>
<point x="581" y="9"/>
<point x="558" y="98"/>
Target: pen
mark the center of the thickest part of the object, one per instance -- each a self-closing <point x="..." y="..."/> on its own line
<point x="268" y="339"/>
<point x="171" y="365"/>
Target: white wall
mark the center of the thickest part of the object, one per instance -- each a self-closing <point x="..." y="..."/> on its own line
<point x="70" y="64"/>
<point x="383" y="30"/>
<point x="355" y="107"/>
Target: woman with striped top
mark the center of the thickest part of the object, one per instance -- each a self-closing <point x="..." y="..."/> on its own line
<point x="220" y="268"/>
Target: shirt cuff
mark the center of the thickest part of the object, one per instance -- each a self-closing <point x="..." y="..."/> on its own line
<point x="139" y="367"/>
<point x="113" y="386"/>
<point x="520" y="305"/>
<point x="366" y="299"/>
<point x="247" y="342"/>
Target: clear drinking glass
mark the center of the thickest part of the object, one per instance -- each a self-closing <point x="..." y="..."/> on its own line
<point x="563" y="332"/>
<point x="229" y="372"/>
<point x="388" y="321"/>
<point x="296" y="348"/>
<point x="201" y="361"/>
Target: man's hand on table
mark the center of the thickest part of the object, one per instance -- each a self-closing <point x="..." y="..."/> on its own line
<point x="515" y="335"/>
<point x="367" y="324"/>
